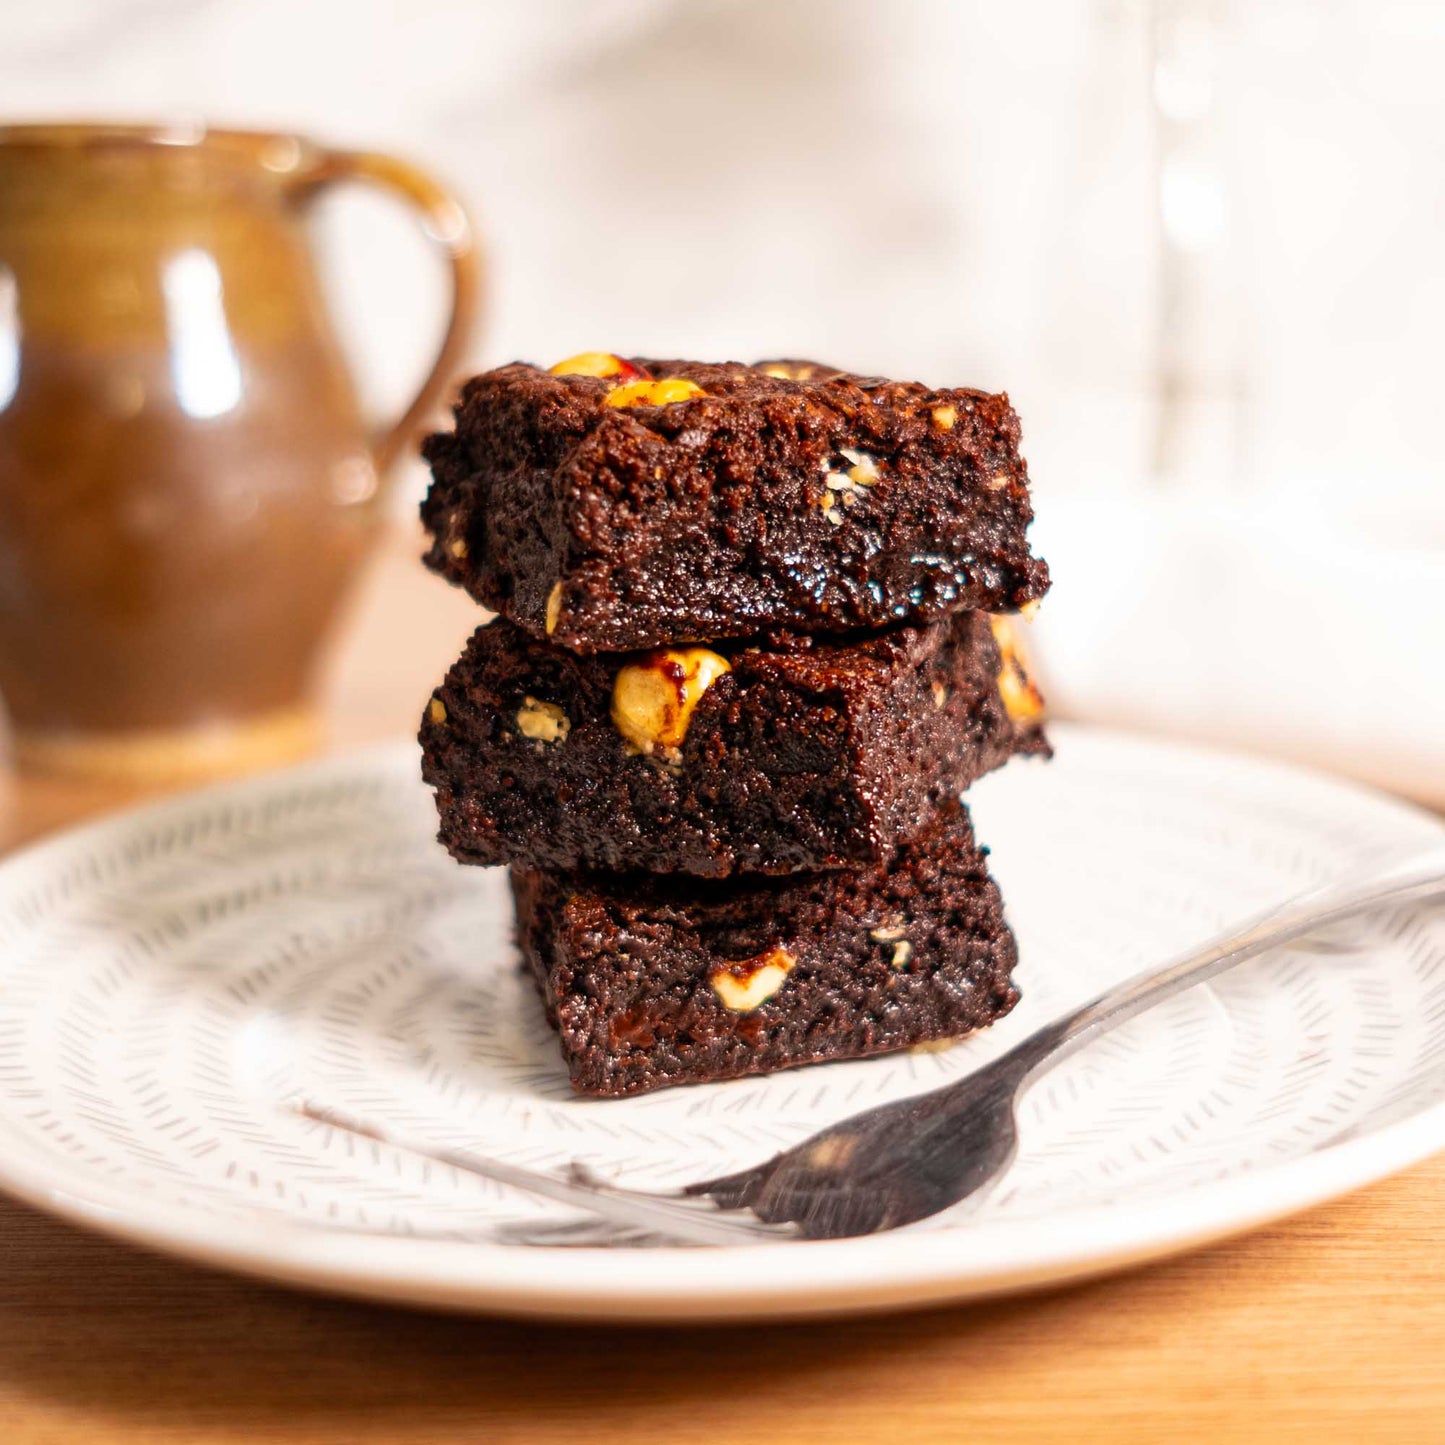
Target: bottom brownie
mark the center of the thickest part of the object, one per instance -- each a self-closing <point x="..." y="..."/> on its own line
<point x="650" y="983"/>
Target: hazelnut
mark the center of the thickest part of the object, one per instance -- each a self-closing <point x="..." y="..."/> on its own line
<point x="543" y="722"/>
<point x="944" y="417"/>
<point x="743" y="986"/>
<point x="862" y="469"/>
<point x="933" y="1046"/>
<point x="458" y="547"/>
<point x="940" y="695"/>
<point x="653" y="393"/>
<point x="554" y="608"/>
<point x="1001" y="625"/>
<point x="998" y="482"/>
<point x="597" y="363"/>
<point x="1021" y="699"/>
<point x="835" y="487"/>
<point x="843" y="490"/>
<point x="790" y="370"/>
<point x="894" y="932"/>
<point x="437" y="710"/>
<point x="653" y="698"/>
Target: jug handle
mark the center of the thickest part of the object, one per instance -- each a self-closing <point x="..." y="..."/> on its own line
<point x="445" y="223"/>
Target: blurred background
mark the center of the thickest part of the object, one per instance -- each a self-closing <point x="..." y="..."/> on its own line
<point x="1199" y="242"/>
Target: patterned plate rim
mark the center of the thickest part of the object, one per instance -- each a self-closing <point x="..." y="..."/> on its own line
<point x="906" y="1268"/>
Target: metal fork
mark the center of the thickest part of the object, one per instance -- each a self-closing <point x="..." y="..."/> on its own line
<point x="901" y="1162"/>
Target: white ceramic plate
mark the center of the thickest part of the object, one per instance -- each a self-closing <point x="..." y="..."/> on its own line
<point x="171" y="979"/>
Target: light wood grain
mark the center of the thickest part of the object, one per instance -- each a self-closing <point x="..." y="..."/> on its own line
<point x="1331" y="1327"/>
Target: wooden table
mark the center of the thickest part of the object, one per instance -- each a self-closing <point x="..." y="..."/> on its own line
<point x="1331" y="1327"/>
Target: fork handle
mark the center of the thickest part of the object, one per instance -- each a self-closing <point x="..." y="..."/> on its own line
<point x="1415" y="878"/>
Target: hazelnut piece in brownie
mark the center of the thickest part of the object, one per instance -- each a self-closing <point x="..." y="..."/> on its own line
<point x="810" y="754"/>
<point x="651" y="983"/>
<point x="645" y="504"/>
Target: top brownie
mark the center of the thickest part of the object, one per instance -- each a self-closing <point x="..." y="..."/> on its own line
<point x="677" y="501"/>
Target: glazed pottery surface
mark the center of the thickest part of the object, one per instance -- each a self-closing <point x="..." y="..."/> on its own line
<point x="186" y="483"/>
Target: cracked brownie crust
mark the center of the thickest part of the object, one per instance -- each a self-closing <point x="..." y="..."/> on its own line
<point x="779" y="497"/>
<point x="651" y="984"/>
<point x="811" y="755"/>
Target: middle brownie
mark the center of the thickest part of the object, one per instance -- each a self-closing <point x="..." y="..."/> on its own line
<point x="811" y="754"/>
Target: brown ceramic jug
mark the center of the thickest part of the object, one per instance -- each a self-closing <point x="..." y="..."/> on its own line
<point x="186" y="486"/>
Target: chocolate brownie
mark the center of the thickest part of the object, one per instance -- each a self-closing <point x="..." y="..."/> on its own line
<point x="812" y="755"/>
<point x="679" y="501"/>
<point x="651" y="984"/>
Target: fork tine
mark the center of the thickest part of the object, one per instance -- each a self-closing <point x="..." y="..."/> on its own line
<point x="583" y="1232"/>
<point x="680" y="1220"/>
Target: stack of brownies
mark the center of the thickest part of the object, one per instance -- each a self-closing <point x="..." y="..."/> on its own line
<point x="744" y="665"/>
